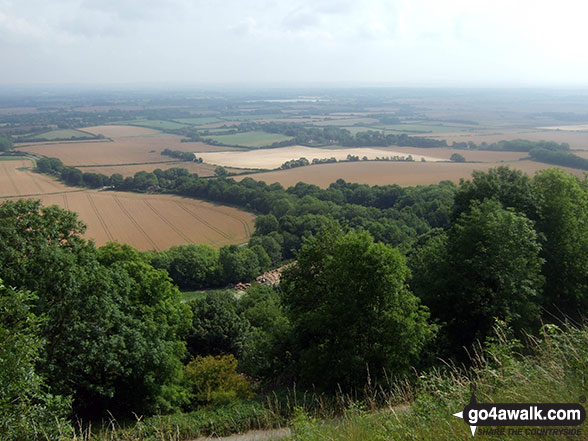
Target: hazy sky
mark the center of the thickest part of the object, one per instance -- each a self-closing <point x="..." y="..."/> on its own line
<point x="397" y="42"/>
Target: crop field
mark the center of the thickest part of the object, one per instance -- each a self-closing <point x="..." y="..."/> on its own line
<point x="16" y="179"/>
<point x="155" y="124"/>
<point x="129" y="145"/>
<point x="145" y="221"/>
<point x="386" y="173"/>
<point x="199" y="121"/>
<point x="420" y="128"/>
<point x="61" y="134"/>
<point x="250" y="139"/>
<point x="576" y="140"/>
<point x="469" y="155"/>
<point x="574" y="128"/>
<point x="153" y="221"/>
<point x="274" y="158"/>
<point x="203" y="170"/>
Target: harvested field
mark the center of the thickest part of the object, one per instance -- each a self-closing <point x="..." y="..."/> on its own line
<point x="145" y="221"/>
<point x="274" y="158"/>
<point x="574" y="128"/>
<point x="16" y="179"/>
<point x="130" y="145"/>
<point x="157" y="222"/>
<point x="385" y="173"/>
<point x="250" y="139"/>
<point x="121" y="131"/>
<point x="470" y="155"/>
<point x="203" y="170"/>
<point x="576" y="140"/>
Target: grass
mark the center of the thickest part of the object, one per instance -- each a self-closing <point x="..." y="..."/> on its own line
<point x="250" y="139"/>
<point x="188" y="296"/>
<point x="551" y="369"/>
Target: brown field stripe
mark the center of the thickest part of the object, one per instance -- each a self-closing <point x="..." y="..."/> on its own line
<point x="245" y="224"/>
<point x="132" y="219"/>
<point x="199" y="219"/>
<point x="10" y="178"/>
<point x="92" y="203"/>
<point x="172" y="226"/>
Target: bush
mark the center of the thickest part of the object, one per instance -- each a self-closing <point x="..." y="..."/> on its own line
<point x="215" y="380"/>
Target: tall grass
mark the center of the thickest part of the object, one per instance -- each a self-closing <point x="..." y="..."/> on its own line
<point x="552" y="368"/>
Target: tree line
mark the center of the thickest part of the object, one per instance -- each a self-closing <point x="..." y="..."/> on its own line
<point x="386" y="279"/>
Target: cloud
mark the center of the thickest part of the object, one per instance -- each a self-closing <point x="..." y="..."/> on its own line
<point x="300" y="20"/>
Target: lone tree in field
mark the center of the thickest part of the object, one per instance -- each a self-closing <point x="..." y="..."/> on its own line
<point x="351" y="311"/>
<point x="456" y="157"/>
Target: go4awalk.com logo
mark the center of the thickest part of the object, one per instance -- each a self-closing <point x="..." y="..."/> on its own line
<point x="508" y="418"/>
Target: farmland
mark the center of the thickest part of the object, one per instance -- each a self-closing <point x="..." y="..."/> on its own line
<point x="128" y="145"/>
<point x="387" y="173"/>
<point x="144" y="221"/>
<point x="274" y="158"/>
<point x="250" y="139"/>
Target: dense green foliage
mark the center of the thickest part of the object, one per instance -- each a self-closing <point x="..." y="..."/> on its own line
<point x="552" y="371"/>
<point x="351" y="312"/>
<point x="184" y="156"/>
<point x="114" y="324"/>
<point x="5" y="143"/>
<point x="564" y="158"/>
<point x="27" y="410"/>
<point x="486" y="266"/>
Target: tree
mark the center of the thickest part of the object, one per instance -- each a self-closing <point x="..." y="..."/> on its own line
<point x="486" y="267"/>
<point x="216" y="327"/>
<point x="456" y="157"/>
<point x="220" y="171"/>
<point x="5" y="144"/>
<point x="351" y="312"/>
<point x="512" y="188"/>
<point x="193" y="266"/>
<point x="563" y="222"/>
<point x="28" y="411"/>
<point x="113" y="324"/>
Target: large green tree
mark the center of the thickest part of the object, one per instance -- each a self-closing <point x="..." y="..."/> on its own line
<point x="487" y="266"/>
<point x="351" y="312"/>
<point x="563" y="222"/>
<point x="113" y="324"/>
<point x="27" y="410"/>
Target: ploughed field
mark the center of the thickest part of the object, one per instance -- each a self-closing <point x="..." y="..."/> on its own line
<point x="145" y="221"/>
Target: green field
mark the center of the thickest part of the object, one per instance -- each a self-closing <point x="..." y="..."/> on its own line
<point x="155" y="124"/>
<point x="250" y="139"/>
<point x="199" y="121"/>
<point x="61" y="134"/>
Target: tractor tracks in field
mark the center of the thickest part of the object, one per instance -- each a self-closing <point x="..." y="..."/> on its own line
<point x="167" y="222"/>
<point x="99" y="216"/>
<point x="202" y="221"/>
<point x="135" y="223"/>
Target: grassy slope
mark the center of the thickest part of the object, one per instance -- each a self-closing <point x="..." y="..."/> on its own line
<point x="552" y="374"/>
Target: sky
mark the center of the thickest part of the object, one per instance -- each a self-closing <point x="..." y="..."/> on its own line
<point x="366" y="42"/>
